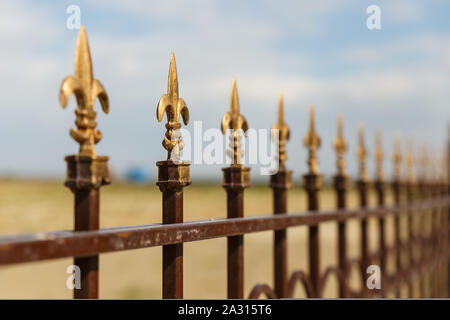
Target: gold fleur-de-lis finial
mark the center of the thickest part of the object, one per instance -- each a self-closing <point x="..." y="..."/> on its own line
<point x="340" y="145"/>
<point x="312" y="143"/>
<point x="379" y="155"/>
<point x="361" y="152"/>
<point x="397" y="157"/>
<point x="410" y="177"/>
<point x="282" y="133"/>
<point x="435" y="163"/>
<point x="237" y="123"/>
<point x="174" y="107"/>
<point x="444" y="168"/>
<point x="424" y="162"/>
<point x="86" y="90"/>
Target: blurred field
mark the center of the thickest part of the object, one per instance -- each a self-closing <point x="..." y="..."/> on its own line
<point x="30" y="206"/>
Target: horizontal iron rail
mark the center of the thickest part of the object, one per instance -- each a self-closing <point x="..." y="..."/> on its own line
<point x="61" y="244"/>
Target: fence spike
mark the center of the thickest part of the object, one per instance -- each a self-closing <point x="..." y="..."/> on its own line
<point x="362" y="155"/>
<point x="283" y="133"/>
<point x="379" y="155"/>
<point x="397" y="157"/>
<point x="86" y="89"/>
<point x="410" y="176"/>
<point x="174" y="107"/>
<point x="312" y="143"/>
<point x="340" y="145"/>
<point x="237" y="122"/>
<point x="423" y="163"/>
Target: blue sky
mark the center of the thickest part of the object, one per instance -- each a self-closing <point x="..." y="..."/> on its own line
<point x="316" y="52"/>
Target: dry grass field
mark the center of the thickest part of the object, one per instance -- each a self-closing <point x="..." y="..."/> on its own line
<point x="31" y="206"/>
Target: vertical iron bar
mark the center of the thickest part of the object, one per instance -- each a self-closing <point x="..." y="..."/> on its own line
<point x="447" y="224"/>
<point x="410" y="198"/>
<point x="423" y="190"/>
<point x="280" y="248"/>
<point x="397" y="186"/>
<point x="172" y="178"/>
<point x="85" y="176"/>
<point x="340" y="185"/>
<point x="312" y="185"/>
<point x="235" y="202"/>
<point x="236" y="179"/>
<point x="87" y="218"/>
<point x="279" y="183"/>
<point x="172" y="254"/>
<point x="379" y="186"/>
<point x="363" y="188"/>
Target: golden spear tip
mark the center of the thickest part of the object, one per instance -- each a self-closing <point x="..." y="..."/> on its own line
<point x="397" y="138"/>
<point x="280" y="108"/>
<point x="311" y="117"/>
<point x="378" y="139"/>
<point x="361" y="132"/>
<point x="172" y="86"/>
<point x="83" y="61"/>
<point x="234" y="108"/>
<point x="340" y="124"/>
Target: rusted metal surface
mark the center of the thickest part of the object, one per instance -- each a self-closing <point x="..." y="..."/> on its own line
<point x="341" y="186"/>
<point x="61" y="244"/>
<point x="235" y="179"/>
<point x="280" y="183"/>
<point x="312" y="183"/>
<point x="85" y="175"/>
<point x="397" y="188"/>
<point x="86" y="171"/>
<point x="87" y="218"/>
<point x="173" y="176"/>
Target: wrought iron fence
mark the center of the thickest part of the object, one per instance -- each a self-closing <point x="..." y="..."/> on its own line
<point x="420" y="258"/>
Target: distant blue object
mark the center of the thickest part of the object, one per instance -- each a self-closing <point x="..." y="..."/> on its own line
<point x="137" y="175"/>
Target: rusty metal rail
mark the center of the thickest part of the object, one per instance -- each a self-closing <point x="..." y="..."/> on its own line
<point x="61" y="244"/>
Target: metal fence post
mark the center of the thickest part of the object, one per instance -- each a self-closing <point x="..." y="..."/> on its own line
<point x="397" y="187"/>
<point x="86" y="171"/>
<point x="363" y="185"/>
<point x="312" y="182"/>
<point x="447" y="224"/>
<point x="379" y="187"/>
<point x="280" y="182"/>
<point x="173" y="176"/>
<point x="235" y="179"/>
<point x="410" y="196"/>
<point x="424" y="192"/>
<point x="341" y="185"/>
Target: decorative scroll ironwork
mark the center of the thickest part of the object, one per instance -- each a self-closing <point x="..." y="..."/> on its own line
<point x="237" y="122"/>
<point x="174" y="107"/>
<point x="86" y="90"/>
